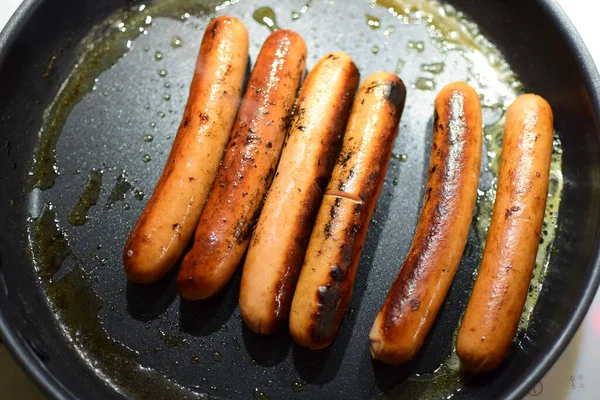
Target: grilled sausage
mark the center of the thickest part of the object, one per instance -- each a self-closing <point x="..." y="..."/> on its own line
<point x="327" y="276"/>
<point x="281" y="235"/>
<point x="441" y="235"/>
<point x="248" y="167"/>
<point x="171" y="215"/>
<point x="496" y="303"/>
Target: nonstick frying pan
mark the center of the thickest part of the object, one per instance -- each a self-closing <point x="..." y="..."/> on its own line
<point x="205" y="346"/>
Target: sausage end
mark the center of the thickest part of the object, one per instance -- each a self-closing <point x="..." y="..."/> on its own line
<point x="390" y="351"/>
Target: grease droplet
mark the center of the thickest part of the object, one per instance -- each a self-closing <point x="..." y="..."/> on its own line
<point x="425" y="84"/>
<point x="399" y="67"/>
<point x="176" y="42"/>
<point x="258" y="394"/>
<point x="299" y="387"/>
<point x="434" y="68"/>
<point x="146" y="158"/>
<point x="418" y="46"/>
<point x="139" y="195"/>
<point x="266" y="16"/>
<point x="373" y="22"/>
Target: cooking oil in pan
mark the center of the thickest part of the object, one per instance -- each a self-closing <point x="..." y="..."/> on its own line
<point x="75" y="304"/>
<point x="428" y="43"/>
<point x="89" y="198"/>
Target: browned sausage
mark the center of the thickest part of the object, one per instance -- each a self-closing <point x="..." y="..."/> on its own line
<point x="171" y="215"/>
<point x="325" y="284"/>
<point x="248" y="167"/>
<point x="433" y="258"/>
<point x="496" y="303"/>
<point x="281" y="235"/>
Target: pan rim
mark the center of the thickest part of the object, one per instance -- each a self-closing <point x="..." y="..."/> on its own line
<point x="54" y="389"/>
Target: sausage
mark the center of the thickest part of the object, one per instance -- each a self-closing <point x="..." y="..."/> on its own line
<point x="327" y="276"/>
<point x="169" y="219"/>
<point x="496" y="303"/>
<point x="248" y="167"/>
<point x="281" y="235"/>
<point x="442" y="231"/>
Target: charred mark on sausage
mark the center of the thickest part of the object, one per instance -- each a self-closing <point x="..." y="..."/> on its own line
<point x="328" y="299"/>
<point x="344" y="158"/>
<point x="337" y="274"/>
<point x="214" y="29"/>
<point x="511" y="211"/>
<point x="395" y="92"/>
<point x="414" y="304"/>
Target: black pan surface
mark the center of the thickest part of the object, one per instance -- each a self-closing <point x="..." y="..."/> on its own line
<point x="132" y="341"/>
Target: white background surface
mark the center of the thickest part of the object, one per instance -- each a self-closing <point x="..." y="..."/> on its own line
<point x="575" y="376"/>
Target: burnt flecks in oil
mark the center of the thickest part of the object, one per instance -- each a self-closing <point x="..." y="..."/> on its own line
<point x="49" y="244"/>
<point x="266" y="16"/>
<point x="119" y="191"/>
<point x="350" y="314"/>
<point x="7" y="146"/>
<point x="89" y="198"/>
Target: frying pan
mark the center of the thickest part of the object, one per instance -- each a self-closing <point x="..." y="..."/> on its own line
<point x="161" y="347"/>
